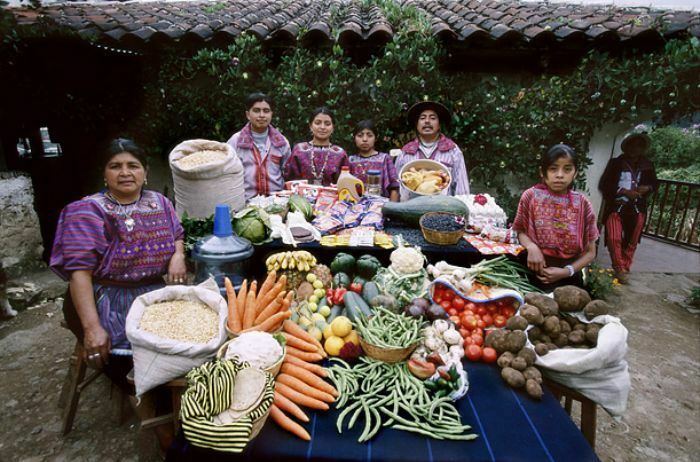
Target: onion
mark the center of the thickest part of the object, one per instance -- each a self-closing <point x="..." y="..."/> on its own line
<point x="422" y="302"/>
<point x="435" y="311"/>
<point x="414" y="311"/>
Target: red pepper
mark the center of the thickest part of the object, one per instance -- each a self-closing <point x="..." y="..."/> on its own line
<point x="356" y="287"/>
<point x="330" y="296"/>
<point x="338" y="295"/>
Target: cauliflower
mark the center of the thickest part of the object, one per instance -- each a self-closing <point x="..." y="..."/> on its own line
<point x="407" y="260"/>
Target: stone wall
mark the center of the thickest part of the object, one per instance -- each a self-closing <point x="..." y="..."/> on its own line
<point x="20" y="236"/>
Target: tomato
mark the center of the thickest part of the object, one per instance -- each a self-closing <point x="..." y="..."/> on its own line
<point x="470" y="322"/>
<point x="489" y="355"/>
<point x="448" y="295"/>
<point x="477" y="331"/>
<point x="456" y="320"/>
<point x="492" y="308"/>
<point x="446" y="305"/>
<point x="473" y="352"/>
<point x="468" y="340"/>
<point x="458" y="303"/>
<point x="464" y="332"/>
<point x="482" y="311"/>
<point x="470" y="306"/>
<point x="437" y="298"/>
<point x="452" y="311"/>
<point x="468" y="312"/>
<point x="488" y="320"/>
<point x="508" y="312"/>
<point x="480" y="323"/>
<point x="478" y="339"/>
<point x="499" y="320"/>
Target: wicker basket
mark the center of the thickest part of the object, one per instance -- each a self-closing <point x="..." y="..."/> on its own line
<point x="441" y="237"/>
<point x="388" y="355"/>
<point x="274" y="369"/>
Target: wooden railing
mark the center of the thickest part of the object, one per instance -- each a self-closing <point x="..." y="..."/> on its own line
<point x="673" y="213"/>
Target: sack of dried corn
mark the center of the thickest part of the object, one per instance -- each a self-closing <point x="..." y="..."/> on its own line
<point x="173" y="330"/>
<point x="206" y="173"/>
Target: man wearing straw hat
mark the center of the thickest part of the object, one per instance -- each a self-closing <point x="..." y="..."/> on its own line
<point x="427" y="117"/>
<point x="626" y="182"/>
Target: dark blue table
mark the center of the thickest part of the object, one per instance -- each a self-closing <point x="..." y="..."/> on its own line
<point x="511" y="427"/>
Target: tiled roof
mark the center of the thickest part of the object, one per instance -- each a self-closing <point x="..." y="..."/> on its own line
<point x="286" y="22"/>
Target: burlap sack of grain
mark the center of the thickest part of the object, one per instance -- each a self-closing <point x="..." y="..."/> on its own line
<point x="601" y="373"/>
<point x="199" y="187"/>
<point x="158" y="360"/>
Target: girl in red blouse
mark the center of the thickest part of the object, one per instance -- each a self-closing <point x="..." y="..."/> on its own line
<point x="557" y="225"/>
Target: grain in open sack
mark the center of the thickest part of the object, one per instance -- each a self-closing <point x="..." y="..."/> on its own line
<point x="181" y="320"/>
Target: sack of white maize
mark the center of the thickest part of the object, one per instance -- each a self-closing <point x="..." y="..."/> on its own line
<point x="206" y="173"/>
<point x="173" y="330"/>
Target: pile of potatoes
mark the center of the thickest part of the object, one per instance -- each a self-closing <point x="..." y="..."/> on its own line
<point x="550" y="330"/>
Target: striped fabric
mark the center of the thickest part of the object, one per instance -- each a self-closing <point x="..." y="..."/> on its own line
<point x="208" y="395"/>
<point x="622" y="255"/>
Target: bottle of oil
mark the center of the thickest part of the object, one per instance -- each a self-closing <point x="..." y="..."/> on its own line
<point x="350" y="188"/>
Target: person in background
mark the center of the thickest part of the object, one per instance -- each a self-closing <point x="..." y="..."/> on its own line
<point x="261" y="147"/>
<point x="368" y="158"/>
<point x="318" y="161"/>
<point x="557" y="225"/>
<point x="428" y="117"/>
<point x="112" y="247"/>
<point x="626" y="183"/>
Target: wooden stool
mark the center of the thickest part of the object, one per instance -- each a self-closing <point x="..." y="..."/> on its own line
<point x="176" y="387"/>
<point x="588" y="408"/>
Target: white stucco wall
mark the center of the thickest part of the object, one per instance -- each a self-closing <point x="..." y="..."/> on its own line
<point x="20" y="235"/>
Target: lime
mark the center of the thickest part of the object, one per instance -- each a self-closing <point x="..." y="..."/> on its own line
<point x="325" y="310"/>
<point x="314" y="299"/>
<point x="318" y="284"/>
<point x="319" y="293"/>
<point x="311" y="278"/>
<point x="313" y="307"/>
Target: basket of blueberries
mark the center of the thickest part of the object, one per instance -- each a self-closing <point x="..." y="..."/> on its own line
<point x="442" y="228"/>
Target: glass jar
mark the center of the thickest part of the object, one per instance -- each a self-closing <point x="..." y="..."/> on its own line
<point x="374" y="183"/>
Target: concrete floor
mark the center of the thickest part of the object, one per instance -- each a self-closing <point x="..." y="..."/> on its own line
<point x="655" y="256"/>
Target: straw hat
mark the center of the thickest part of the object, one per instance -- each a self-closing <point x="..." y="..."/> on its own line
<point x="640" y="132"/>
<point x="415" y="111"/>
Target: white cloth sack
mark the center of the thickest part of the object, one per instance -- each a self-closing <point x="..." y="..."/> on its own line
<point x="158" y="360"/>
<point x="294" y="220"/>
<point x="199" y="190"/>
<point x="600" y="373"/>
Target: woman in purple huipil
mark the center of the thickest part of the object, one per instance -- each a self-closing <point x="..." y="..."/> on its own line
<point x="368" y="158"/>
<point x="318" y="161"/>
<point x="112" y="247"/>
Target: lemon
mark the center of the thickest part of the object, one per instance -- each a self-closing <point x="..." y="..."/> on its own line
<point x="313" y="307"/>
<point x="304" y="322"/>
<point x="341" y="326"/>
<point x="333" y="345"/>
<point x="318" y="284"/>
<point x="353" y="338"/>
<point x="314" y="299"/>
<point x="318" y="317"/>
<point x="316" y="333"/>
<point x="327" y="332"/>
<point x="325" y="310"/>
<point x="319" y="293"/>
<point x="311" y="278"/>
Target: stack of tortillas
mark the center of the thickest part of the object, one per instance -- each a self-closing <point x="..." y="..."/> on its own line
<point x="246" y="395"/>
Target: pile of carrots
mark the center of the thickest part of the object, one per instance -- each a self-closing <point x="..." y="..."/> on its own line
<point x="300" y="382"/>
<point x="265" y="310"/>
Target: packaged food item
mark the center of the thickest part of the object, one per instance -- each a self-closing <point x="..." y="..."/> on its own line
<point x="327" y="224"/>
<point x="350" y="188"/>
<point x="293" y="185"/>
<point x="324" y="201"/>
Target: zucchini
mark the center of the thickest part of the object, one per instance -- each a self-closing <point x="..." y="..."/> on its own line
<point x="355" y="302"/>
<point x="336" y="311"/>
<point x="409" y="212"/>
<point x="341" y="280"/>
<point x="369" y="291"/>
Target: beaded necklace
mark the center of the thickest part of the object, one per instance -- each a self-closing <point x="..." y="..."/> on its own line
<point x="318" y="177"/>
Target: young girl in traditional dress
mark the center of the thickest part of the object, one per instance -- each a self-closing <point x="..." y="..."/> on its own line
<point x="318" y="161"/>
<point x="368" y="158"/>
<point x="557" y="225"/>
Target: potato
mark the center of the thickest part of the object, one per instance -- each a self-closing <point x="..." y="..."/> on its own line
<point x="533" y="389"/>
<point x="596" y="308"/>
<point x="518" y="363"/>
<point x="532" y="314"/>
<point x="547" y="305"/>
<point x="552" y="346"/>
<point x="564" y="327"/>
<point x="529" y="355"/>
<point x="571" y="320"/>
<point x="517" y="323"/>
<point x="579" y="326"/>
<point x="533" y="373"/>
<point x="534" y="334"/>
<point x="541" y="349"/>
<point x="505" y="359"/>
<point x="592" y="334"/>
<point x="551" y="326"/>
<point x="545" y="338"/>
<point x="571" y="298"/>
<point x="562" y="340"/>
<point x="515" y="341"/>
<point x="512" y="377"/>
<point x="577" y="337"/>
<point x="492" y="336"/>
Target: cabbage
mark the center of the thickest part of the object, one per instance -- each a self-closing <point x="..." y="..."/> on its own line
<point x="250" y="224"/>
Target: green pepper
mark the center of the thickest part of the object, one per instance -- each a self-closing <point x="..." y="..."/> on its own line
<point x="454" y="376"/>
<point x="367" y="266"/>
<point x="343" y="263"/>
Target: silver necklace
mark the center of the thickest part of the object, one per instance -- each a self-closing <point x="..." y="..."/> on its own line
<point x="129" y="222"/>
<point x="318" y="178"/>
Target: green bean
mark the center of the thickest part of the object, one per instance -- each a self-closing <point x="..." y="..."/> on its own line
<point x="339" y="422"/>
<point x="419" y="430"/>
<point x="355" y="415"/>
<point x="368" y="423"/>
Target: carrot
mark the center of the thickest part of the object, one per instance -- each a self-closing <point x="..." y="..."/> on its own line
<point x="305" y="355"/>
<point x="292" y="328"/>
<point x="300" y="398"/>
<point x="249" y="313"/>
<point x="241" y="299"/>
<point x="273" y="321"/>
<point x="311" y="367"/>
<point x="285" y="404"/>
<point x="271" y="309"/>
<point x="266" y="299"/>
<point x="296" y="342"/>
<point x="267" y="284"/>
<point x="309" y="378"/>
<point x="288" y="424"/>
<point x="304" y="388"/>
<point x="234" y="322"/>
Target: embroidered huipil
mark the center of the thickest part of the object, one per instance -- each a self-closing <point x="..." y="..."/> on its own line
<point x="359" y="166"/>
<point x="91" y="235"/>
<point x="447" y="153"/>
<point x="314" y="163"/>
<point x="560" y="225"/>
<point x="262" y="168"/>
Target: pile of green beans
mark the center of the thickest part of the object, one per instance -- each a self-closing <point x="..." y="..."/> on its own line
<point x="388" y="395"/>
<point x="389" y="330"/>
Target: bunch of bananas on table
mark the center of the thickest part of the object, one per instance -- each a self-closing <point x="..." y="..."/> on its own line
<point x="299" y="260"/>
<point x="425" y="181"/>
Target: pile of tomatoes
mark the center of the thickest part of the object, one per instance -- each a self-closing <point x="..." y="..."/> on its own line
<point x="475" y="320"/>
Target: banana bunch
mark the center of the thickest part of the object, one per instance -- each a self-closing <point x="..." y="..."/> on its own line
<point x="425" y="181"/>
<point x="299" y="260"/>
